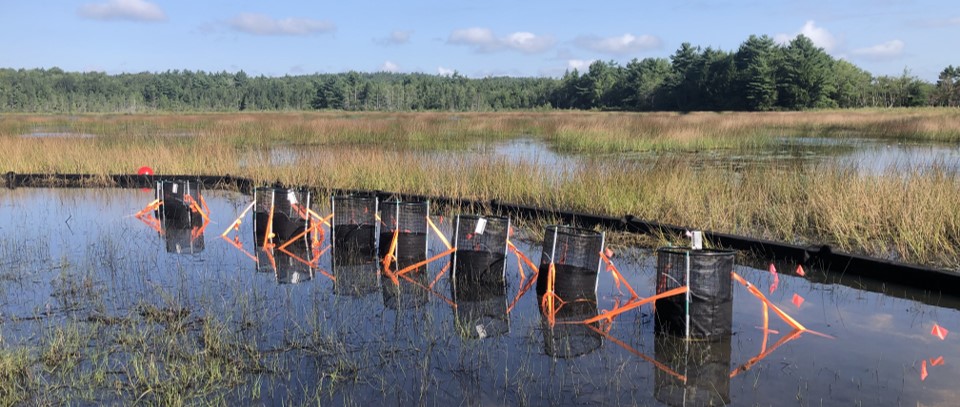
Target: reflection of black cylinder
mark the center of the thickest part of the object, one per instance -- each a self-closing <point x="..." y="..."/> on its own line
<point x="290" y="213"/>
<point x="481" y="309"/>
<point x="711" y="296"/>
<point x="183" y="240"/>
<point x="407" y="294"/>
<point x="704" y="364"/>
<point x="179" y="219"/>
<point x="569" y="340"/>
<point x="355" y="277"/>
<point x="575" y="254"/>
<point x="410" y="220"/>
<point x="481" y="243"/>
<point x="354" y="227"/>
<point x="293" y="265"/>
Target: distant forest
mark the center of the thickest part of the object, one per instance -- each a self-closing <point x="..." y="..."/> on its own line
<point x="760" y="75"/>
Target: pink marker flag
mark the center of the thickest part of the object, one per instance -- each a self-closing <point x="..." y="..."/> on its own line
<point x="797" y="300"/>
<point x="800" y="271"/>
<point x="923" y="370"/>
<point x="939" y="332"/>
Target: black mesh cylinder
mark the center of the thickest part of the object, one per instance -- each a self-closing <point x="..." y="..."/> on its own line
<point x="704" y="364"/>
<point x="354" y="227"/>
<point x="356" y="278"/>
<point x="410" y="219"/>
<point x="575" y="254"/>
<point x="569" y="340"/>
<point x="481" y="309"/>
<point x="711" y="296"/>
<point x="481" y="243"/>
<point x="176" y="198"/>
<point x="290" y="216"/>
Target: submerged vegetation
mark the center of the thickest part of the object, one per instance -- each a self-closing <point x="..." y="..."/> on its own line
<point x="908" y="214"/>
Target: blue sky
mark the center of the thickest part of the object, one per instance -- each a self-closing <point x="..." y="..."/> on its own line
<point x="516" y="38"/>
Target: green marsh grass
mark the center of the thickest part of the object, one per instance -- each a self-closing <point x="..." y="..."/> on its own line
<point x="911" y="215"/>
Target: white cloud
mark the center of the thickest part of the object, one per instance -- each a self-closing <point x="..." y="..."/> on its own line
<point x="259" y="24"/>
<point x="887" y="50"/>
<point x="134" y="10"/>
<point x="396" y="37"/>
<point x="483" y="40"/>
<point x="620" y="45"/>
<point x="579" y="64"/>
<point x="389" y="66"/>
<point x="819" y="35"/>
<point x="445" y="71"/>
<point x="528" y="43"/>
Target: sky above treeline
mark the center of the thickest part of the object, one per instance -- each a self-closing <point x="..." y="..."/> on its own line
<point x="476" y="39"/>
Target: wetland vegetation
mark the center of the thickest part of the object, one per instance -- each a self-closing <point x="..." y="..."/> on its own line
<point x="903" y="212"/>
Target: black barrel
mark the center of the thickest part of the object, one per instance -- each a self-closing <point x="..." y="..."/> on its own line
<point x="290" y="216"/>
<point x="481" y="243"/>
<point x="410" y="219"/>
<point x="354" y="227"/>
<point x="711" y="296"/>
<point x="575" y="254"/>
<point x="176" y="198"/>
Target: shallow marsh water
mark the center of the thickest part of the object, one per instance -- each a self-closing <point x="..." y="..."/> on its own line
<point x="76" y="256"/>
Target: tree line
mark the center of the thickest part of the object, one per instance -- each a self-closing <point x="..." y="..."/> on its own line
<point x="760" y="75"/>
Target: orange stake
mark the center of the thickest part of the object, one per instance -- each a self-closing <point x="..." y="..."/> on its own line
<point x="756" y="293"/>
<point x="634" y="304"/>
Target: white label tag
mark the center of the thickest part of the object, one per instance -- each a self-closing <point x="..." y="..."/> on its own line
<point x="175" y="188"/>
<point x="292" y="197"/>
<point x="481" y="225"/>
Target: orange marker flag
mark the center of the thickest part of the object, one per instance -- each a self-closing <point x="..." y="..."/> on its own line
<point x="776" y="278"/>
<point x="800" y="271"/>
<point x="923" y="370"/>
<point x="797" y="300"/>
<point x="936" y="362"/>
<point x="939" y="331"/>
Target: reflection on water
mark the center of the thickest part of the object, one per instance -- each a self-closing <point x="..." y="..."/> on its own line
<point x="73" y="256"/>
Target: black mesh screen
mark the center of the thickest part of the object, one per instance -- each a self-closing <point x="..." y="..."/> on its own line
<point x="576" y="256"/>
<point x="481" y="244"/>
<point x="711" y="297"/>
